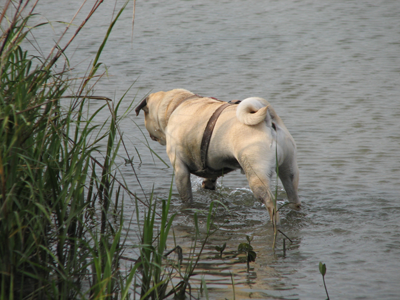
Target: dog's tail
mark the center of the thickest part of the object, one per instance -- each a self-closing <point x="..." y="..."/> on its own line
<point x="254" y="110"/>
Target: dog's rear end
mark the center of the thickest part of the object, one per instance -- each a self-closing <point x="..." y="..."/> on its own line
<point x="259" y="162"/>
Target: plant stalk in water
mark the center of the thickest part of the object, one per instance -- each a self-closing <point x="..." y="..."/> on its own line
<point x="322" y="270"/>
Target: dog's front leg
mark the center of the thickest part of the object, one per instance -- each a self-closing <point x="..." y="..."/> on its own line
<point x="182" y="173"/>
<point x="182" y="181"/>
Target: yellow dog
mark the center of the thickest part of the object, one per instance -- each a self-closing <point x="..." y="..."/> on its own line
<point x="246" y="136"/>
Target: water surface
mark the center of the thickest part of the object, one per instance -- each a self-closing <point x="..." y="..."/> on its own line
<point x="332" y="72"/>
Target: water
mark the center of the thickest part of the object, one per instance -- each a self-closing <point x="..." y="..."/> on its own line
<point x="332" y="72"/>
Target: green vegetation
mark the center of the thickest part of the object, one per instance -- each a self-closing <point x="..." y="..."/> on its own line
<point x="248" y="250"/>
<point x="60" y="222"/>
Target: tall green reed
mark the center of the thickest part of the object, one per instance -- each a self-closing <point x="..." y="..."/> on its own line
<point x="161" y="277"/>
<point x="154" y="281"/>
<point x="52" y="181"/>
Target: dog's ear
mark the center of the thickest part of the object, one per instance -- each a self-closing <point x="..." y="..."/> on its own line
<point x="141" y="105"/>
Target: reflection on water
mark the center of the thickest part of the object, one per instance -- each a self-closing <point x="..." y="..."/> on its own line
<point x="331" y="71"/>
<point x="248" y="219"/>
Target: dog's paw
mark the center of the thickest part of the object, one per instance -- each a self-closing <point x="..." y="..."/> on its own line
<point x="295" y="206"/>
<point x="208" y="184"/>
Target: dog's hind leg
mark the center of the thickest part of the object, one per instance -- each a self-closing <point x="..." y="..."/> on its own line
<point x="257" y="176"/>
<point x="209" y="183"/>
<point x="260" y="188"/>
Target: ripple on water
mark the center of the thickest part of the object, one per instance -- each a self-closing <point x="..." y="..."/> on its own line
<point x="331" y="71"/>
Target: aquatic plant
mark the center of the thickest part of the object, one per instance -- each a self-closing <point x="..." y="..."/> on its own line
<point x="220" y="249"/>
<point x="322" y="270"/>
<point x="275" y="197"/>
<point x="248" y="250"/>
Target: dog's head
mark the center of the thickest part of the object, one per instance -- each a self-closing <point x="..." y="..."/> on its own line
<point x="151" y="120"/>
<point x="157" y="108"/>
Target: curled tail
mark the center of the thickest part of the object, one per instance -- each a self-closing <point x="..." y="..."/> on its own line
<point x="254" y="110"/>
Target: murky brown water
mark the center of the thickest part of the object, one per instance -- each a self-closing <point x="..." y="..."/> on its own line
<point x="332" y="72"/>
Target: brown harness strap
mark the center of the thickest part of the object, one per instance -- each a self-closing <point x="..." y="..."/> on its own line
<point x="205" y="142"/>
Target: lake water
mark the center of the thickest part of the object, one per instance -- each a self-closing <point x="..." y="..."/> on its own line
<point x="331" y="70"/>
